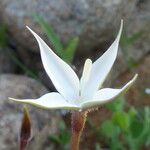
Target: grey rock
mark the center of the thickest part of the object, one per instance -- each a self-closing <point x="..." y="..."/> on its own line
<point x="93" y="21"/>
<point x="44" y="123"/>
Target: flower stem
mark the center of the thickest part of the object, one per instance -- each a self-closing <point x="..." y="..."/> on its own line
<point x="77" y="124"/>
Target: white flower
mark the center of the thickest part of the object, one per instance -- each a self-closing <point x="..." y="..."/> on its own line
<point x="75" y="94"/>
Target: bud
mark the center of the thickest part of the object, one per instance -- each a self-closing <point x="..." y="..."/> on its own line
<point x="25" y="132"/>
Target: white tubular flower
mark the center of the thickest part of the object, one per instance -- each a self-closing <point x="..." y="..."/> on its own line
<point x="75" y="94"/>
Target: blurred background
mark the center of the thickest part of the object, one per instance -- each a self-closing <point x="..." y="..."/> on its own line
<point x="75" y="30"/>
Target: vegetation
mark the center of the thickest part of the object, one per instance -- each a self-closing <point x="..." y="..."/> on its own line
<point x="65" y="52"/>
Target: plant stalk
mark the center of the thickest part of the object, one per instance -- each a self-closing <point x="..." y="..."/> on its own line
<point x="77" y="124"/>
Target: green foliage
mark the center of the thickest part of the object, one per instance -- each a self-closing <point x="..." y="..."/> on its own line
<point x="121" y="119"/>
<point x="116" y="105"/>
<point x="22" y="66"/>
<point x="109" y="129"/>
<point x="12" y="54"/>
<point x="70" y="49"/>
<point x="63" y="138"/>
<point x="126" y="41"/>
<point x="65" y="52"/>
<point x="126" y="130"/>
<point x="3" y="41"/>
<point x="55" y="40"/>
<point x="97" y="147"/>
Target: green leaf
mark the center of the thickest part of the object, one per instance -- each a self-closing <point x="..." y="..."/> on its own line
<point x="66" y="53"/>
<point x="64" y="136"/>
<point x="116" y="105"/>
<point x="147" y="143"/>
<point x="121" y="119"/>
<point x="146" y="125"/>
<point x="3" y="41"/>
<point x="127" y="41"/>
<point x="132" y="113"/>
<point x="64" y="133"/>
<point x="112" y="132"/>
<point x="108" y="129"/>
<point x="124" y="40"/>
<point x="55" y="139"/>
<point x="22" y="66"/>
<point x="97" y="146"/>
<point x="135" y="37"/>
<point x="69" y="51"/>
<point x="53" y="37"/>
<point x="136" y="127"/>
<point x="131" y="62"/>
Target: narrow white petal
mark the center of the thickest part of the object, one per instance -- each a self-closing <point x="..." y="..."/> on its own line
<point x="102" y="66"/>
<point x="62" y="75"/>
<point x="107" y="94"/>
<point x="85" y="74"/>
<point x="49" y="101"/>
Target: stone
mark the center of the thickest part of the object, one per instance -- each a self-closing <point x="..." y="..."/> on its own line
<point x="94" y="22"/>
<point x="90" y="20"/>
<point x="44" y="123"/>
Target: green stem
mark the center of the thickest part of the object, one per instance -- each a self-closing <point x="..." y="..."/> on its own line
<point x="77" y="124"/>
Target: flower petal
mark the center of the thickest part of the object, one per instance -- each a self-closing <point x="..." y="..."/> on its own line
<point x="102" y="66"/>
<point x="49" y="101"/>
<point x="106" y="94"/>
<point x="62" y="75"/>
<point x="85" y="75"/>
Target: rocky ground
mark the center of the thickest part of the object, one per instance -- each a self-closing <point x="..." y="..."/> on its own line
<point x="44" y="123"/>
<point x="96" y="24"/>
